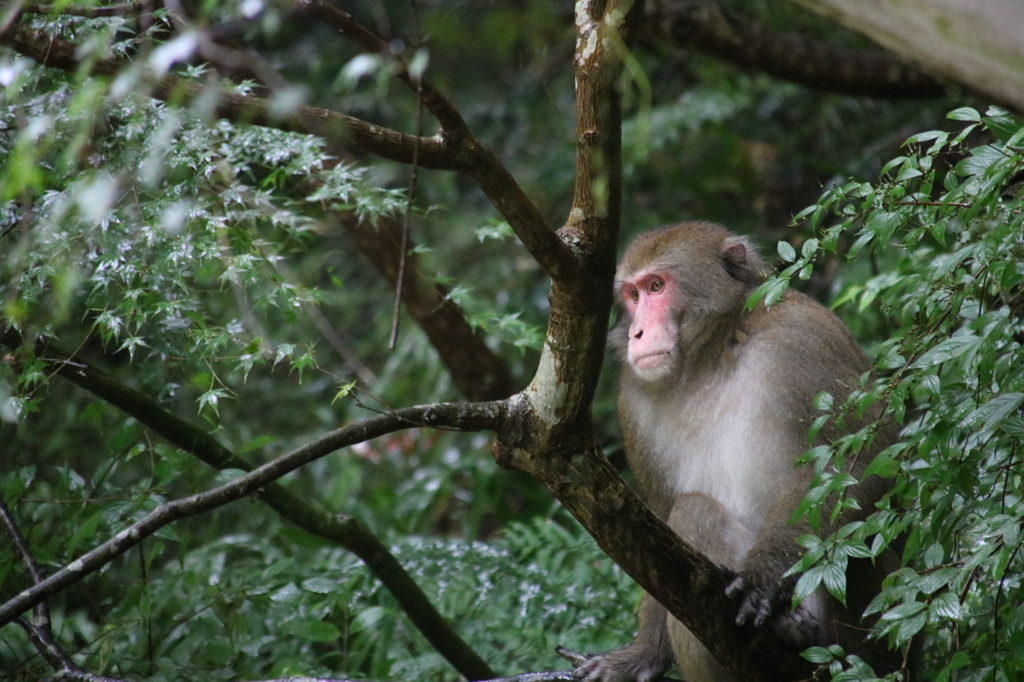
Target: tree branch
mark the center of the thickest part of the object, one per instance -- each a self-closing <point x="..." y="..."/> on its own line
<point x="461" y="417"/>
<point x="477" y="371"/>
<point x="20" y="544"/>
<point x="437" y="104"/>
<point x="480" y="162"/>
<point x="336" y="128"/>
<point x="727" y="35"/>
<point x="345" y="531"/>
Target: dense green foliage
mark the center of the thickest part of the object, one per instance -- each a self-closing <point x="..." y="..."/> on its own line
<point x="197" y="260"/>
<point x="943" y="231"/>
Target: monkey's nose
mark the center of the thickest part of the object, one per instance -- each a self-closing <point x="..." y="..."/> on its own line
<point x="638" y="334"/>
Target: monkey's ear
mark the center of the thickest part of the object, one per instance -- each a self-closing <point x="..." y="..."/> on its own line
<point x="741" y="261"/>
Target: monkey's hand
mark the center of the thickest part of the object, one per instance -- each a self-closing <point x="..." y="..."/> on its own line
<point x="760" y="600"/>
<point x="634" y="662"/>
<point x="799" y="628"/>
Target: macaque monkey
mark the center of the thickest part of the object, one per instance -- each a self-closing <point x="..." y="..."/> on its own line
<point x="715" y="405"/>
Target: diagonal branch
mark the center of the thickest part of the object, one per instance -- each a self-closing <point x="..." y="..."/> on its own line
<point x="710" y="28"/>
<point x="480" y="162"/>
<point x="20" y="544"/>
<point x="38" y="628"/>
<point x="344" y="531"/>
<point x="54" y="52"/>
<point x="461" y="417"/>
<point x="477" y="371"/>
<point x="437" y="104"/>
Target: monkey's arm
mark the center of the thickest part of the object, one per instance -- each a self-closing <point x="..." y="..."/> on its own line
<point x="765" y="593"/>
<point x="644" y="660"/>
<point x="759" y="582"/>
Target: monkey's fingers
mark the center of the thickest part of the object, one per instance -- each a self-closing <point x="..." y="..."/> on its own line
<point x="764" y="610"/>
<point x="735" y="588"/>
<point x="631" y="663"/>
<point x="755" y="609"/>
<point x="757" y="604"/>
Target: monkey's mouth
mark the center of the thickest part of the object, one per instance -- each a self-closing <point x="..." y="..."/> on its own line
<point x="651" y="359"/>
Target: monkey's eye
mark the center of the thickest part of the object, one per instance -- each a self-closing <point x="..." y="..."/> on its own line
<point x="634" y="295"/>
<point x="657" y="285"/>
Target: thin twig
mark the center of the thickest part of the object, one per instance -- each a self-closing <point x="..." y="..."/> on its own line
<point x="464" y="153"/>
<point x="42" y="618"/>
<point x="404" y="250"/>
<point x="344" y="531"/>
<point x="20" y="544"/>
<point x="42" y="639"/>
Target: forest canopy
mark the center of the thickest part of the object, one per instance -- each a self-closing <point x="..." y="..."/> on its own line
<point x="303" y="309"/>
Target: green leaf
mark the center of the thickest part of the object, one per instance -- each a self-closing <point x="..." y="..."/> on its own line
<point x="315" y="630"/>
<point x="892" y="164"/>
<point x="1000" y="124"/>
<point x="959" y="660"/>
<point x="946" y="605"/>
<point x="817" y="654"/>
<point x="884" y="465"/>
<point x="809" y="248"/>
<point x="343" y="391"/>
<point x="496" y="229"/>
<point x="925" y="136"/>
<point x="823" y="401"/>
<point x="1013" y="426"/>
<point x="858" y="245"/>
<point x="943" y="265"/>
<point x="903" y="611"/>
<point x="211" y="397"/>
<point x="980" y="159"/>
<point x="834" y="577"/>
<point x="320" y="585"/>
<point x="85" y="531"/>
<point x="965" y="114"/>
<point x="773" y="290"/>
<point x="934" y="555"/>
<point x="786" y="252"/>
<point x="947" y="350"/>
<point x="910" y="627"/>
<point x="994" y="411"/>
<point x="368" y="618"/>
<point x="808" y="583"/>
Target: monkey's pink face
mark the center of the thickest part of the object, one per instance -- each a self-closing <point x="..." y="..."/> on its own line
<point x="649" y="298"/>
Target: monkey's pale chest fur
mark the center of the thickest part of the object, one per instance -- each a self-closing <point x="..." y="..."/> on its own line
<point x="720" y="437"/>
